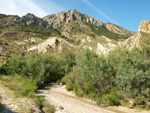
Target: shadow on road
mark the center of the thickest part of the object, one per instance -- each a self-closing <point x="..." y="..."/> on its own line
<point x="4" y="109"/>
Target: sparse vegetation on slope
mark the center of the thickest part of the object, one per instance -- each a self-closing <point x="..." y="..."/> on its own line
<point x="100" y="31"/>
<point x="121" y="78"/>
<point x="26" y="87"/>
<point x="41" y="68"/>
<point x="29" y="31"/>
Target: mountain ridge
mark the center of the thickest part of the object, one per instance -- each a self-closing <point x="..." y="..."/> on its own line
<point x="72" y="31"/>
<point x="54" y="21"/>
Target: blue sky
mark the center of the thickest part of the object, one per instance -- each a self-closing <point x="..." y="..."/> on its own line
<point x="125" y="13"/>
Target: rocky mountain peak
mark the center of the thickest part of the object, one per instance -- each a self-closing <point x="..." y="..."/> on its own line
<point x="67" y="16"/>
<point x="28" y="19"/>
<point x="144" y="26"/>
<point x="30" y="16"/>
<point x="56" y="21"/>
<point x="68" y="23"/>
<point x="3" y="15"/>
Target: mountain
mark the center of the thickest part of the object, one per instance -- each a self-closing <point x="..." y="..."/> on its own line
<point x="102" y="45"/>
<point x="117" y="29"/>
<point x="145" y="26"/>
<point x="28" y="19"/>
<point x="71" y="22"/>
<point x="66" y="31"/>
<point x="138" y="38"/>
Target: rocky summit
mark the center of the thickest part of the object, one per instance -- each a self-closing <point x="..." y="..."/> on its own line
<point x="57" y="20"/>
<point x="145" y="26"/>
<point x="28" y="19"/>
<point x="64" y="22"/>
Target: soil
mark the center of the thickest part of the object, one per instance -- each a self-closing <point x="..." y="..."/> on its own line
<point x="67" y="102"/>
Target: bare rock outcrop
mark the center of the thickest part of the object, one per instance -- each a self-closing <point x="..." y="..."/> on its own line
<point x="118" y="29"/>
<point x="59" y="20"/>
<point x="53" y="43"/>
<point x="3" y="15"/>
<point x="56" y="20"/>
<point x="9" y="34"/>
<point x="138" y="38"/>
<point x="70" y="18"/>
<point x="130" y="43"/>
<point x="145" y="26"/>
<point x="28" y="19"/>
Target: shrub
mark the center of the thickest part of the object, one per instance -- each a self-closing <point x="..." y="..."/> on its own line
<point x="47" y="107"/>
<point x="92" y="72"/>
<point x="64" y="80"/>
<point x="69" y="61"/>
<point x="21" y="85"/>
<point x="111" y="99"/>
<point x="42" y="68"/>
<point x="123" y="75"/>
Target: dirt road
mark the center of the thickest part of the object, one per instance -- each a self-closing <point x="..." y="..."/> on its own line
<point x="9" y="103"/>
<point x="68" y="102"/>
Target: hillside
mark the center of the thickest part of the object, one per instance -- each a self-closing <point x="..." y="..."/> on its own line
<point x="99" y="61"/>
<point x="19" y="34"/>
<point x="101" y="45"/>
<point x="66" y="31"/>
<point x="71" y="24"/>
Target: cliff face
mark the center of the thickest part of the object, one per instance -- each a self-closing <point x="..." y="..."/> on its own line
<point x="118" y="29"/>
<point x="145" y="26"/>
<point x="101" y="45"/>
<point x="56" y="20"/>
<point x="65" y="22"/>
<point x="73" y="31"/>
<point x="138" y="38"/>
<point x="28" y="19"/>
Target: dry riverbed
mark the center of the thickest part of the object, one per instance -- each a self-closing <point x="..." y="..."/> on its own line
<point x="63" y="100"/>
<point x="9" y="103"/>
<point x="68" y="102"/>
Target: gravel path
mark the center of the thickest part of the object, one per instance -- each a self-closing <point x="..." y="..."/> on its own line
<point x="9" y="103"/>
<point x="68" y="102"/>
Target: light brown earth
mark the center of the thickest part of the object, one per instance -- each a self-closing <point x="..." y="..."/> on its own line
<point x="68" y="102"/>
<point x="9" y="103"/>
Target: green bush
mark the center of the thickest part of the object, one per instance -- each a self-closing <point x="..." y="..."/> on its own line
<point x="21" y="85"/>
<point x="111" y="99"/>
<point x="102" y="31"/>
<point x="47" y="108"/>
<point x="92" y="72"/>
<point x="69" y="61"/>
<point x="123" y="75"/>
<point x="64" y="80"/>
<point x="68" y="87"/>
<point x="42" y="68"/>
<point x="37" y="29"/>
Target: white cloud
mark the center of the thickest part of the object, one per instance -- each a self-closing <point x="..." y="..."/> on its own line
<point x="21" y="7"/>
<point x="100" y="12"/>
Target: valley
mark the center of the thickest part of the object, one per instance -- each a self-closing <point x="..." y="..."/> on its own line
<point x="70" y="62"/>
<point x="64" y="101"/>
